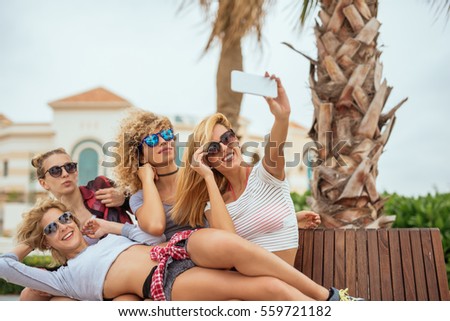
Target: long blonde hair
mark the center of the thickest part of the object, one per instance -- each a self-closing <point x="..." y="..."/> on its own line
<point x="192" y="193"/>
<point x="132" y="129"/>
<point x="38" y="160"/>
<point x="30" y="231"/>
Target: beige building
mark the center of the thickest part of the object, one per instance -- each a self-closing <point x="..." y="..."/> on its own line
<point x="84" y="124"/>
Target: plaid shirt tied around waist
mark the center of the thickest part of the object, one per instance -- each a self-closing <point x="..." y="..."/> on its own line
<point x="162" y="255"/>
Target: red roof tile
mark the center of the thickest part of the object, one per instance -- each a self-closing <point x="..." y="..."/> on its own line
<point x="95" y="95"/>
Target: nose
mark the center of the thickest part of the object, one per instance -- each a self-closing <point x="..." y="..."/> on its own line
<point x="64" y="173"/>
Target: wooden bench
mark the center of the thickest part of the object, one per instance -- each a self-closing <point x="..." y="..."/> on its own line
<point x="384" y="264"/>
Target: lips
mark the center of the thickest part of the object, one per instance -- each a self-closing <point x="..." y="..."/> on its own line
<point x="67" y="236"/>
<point x="228" y="157"/>
<point x="164" y="150"/>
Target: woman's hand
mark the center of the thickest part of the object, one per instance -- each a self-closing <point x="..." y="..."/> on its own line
<point x="95" y="228"/>
<point x="308" y="219"/>
<point x="111" y="197"/>
<point x="198" y="164"/>
<point x="280" y="106"/>
<point x="147" y="173"/>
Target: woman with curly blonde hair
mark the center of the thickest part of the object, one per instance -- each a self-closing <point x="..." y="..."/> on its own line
<point x="148" y="169"/>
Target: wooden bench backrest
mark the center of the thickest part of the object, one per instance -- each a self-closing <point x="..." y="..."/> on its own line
<point x="384" y="264"/>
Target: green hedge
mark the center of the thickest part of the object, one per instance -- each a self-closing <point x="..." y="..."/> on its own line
<point x="423" y="211"/>
<point x="42" y="261"/>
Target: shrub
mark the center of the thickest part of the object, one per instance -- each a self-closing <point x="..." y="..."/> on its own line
<point x="423" y="211"/>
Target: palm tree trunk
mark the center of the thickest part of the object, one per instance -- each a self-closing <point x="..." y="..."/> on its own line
<point x="228" y="101"/>
<point x="349" y="129"/>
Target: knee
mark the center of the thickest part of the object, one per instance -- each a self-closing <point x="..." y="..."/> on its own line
<point x="28" y="294"/>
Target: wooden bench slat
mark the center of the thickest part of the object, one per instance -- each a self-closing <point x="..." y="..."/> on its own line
<point x="318" y="257"/>
<point x="419" y="271"/>
<point x="298" y="262"/>
<point x="440" y="264"/>
<point x="361" y="265"/>
<point x="396" y="265"/>
<point x="374" y="265"/>
<point x="385" y="266"/>
<point x="308" y="253"/>
<point x="429" y="265"/>
<point x="350" y="260"/>
<point x="339" y="259"/>
<point x="407" y="265"/>
<point x="328" y="259"/>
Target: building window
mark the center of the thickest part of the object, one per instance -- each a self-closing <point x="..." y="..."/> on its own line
<point x="87" y="166"/>
<point x="88" y="154"/>
<point x="5" y="168"/>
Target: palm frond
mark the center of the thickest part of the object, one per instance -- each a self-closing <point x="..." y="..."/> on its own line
<point x="441" y="8"/>
<point x="307" y="6"/>
<point x="235" y="19"/>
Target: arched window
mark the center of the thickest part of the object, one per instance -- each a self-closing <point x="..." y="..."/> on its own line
<point x="87" y="166"/>
<point x="88" y="154"/>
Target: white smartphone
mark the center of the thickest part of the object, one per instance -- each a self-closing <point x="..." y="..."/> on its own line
<point x="253" y="84"/>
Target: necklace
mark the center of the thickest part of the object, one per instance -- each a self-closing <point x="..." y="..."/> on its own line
<point x="168" y="174"/>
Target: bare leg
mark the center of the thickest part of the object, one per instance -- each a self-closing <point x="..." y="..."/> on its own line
<point x="221" y="285"/>
<point x="219" y="249"/>
<point x="287" y="255"/>
<point x="28" y="294"/>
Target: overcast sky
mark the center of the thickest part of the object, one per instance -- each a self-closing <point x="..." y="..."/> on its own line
<point x="151" y="54"/>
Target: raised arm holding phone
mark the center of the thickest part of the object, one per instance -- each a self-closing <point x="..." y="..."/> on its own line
<point x="253" y="202"/>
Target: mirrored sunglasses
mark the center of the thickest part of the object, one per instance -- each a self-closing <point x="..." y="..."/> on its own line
<point x="153" y="139"/>
<point x="213" y="148"/>
<point x="56" y="171"/>
<point x="65" y="218"/>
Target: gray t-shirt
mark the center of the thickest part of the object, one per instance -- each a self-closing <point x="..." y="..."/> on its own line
<point x="136" y="201"/>
<point x="81" y="278"/>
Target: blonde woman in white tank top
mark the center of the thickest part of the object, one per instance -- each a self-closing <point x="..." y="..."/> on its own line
<point x="253" y="202"/>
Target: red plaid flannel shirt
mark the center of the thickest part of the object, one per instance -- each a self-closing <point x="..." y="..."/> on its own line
<point x="162" y="254"/>
<point x="97" y="208"/>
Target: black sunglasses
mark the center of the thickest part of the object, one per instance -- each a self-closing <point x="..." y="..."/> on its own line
<point x="213" y="148"/>
<point x="65" y="218"/>
<point x="56" y="171"/>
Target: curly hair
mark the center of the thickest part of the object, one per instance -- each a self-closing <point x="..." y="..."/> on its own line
<point x="132" y="129"/>
<point x="30" y="232"/>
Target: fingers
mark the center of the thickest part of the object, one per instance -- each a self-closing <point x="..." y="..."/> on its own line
<point x="308" y="219"/>
<point x="197" y="158"/>
<point x="90" y="228"/>
<point x="104" y="191"/>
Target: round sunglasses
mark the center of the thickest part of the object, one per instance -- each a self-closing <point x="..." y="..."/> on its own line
<point x="56" y="171"/>
<point x="153" y="139"/>
<point x="65" y="218"/>
<point x="214" y="148"/>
